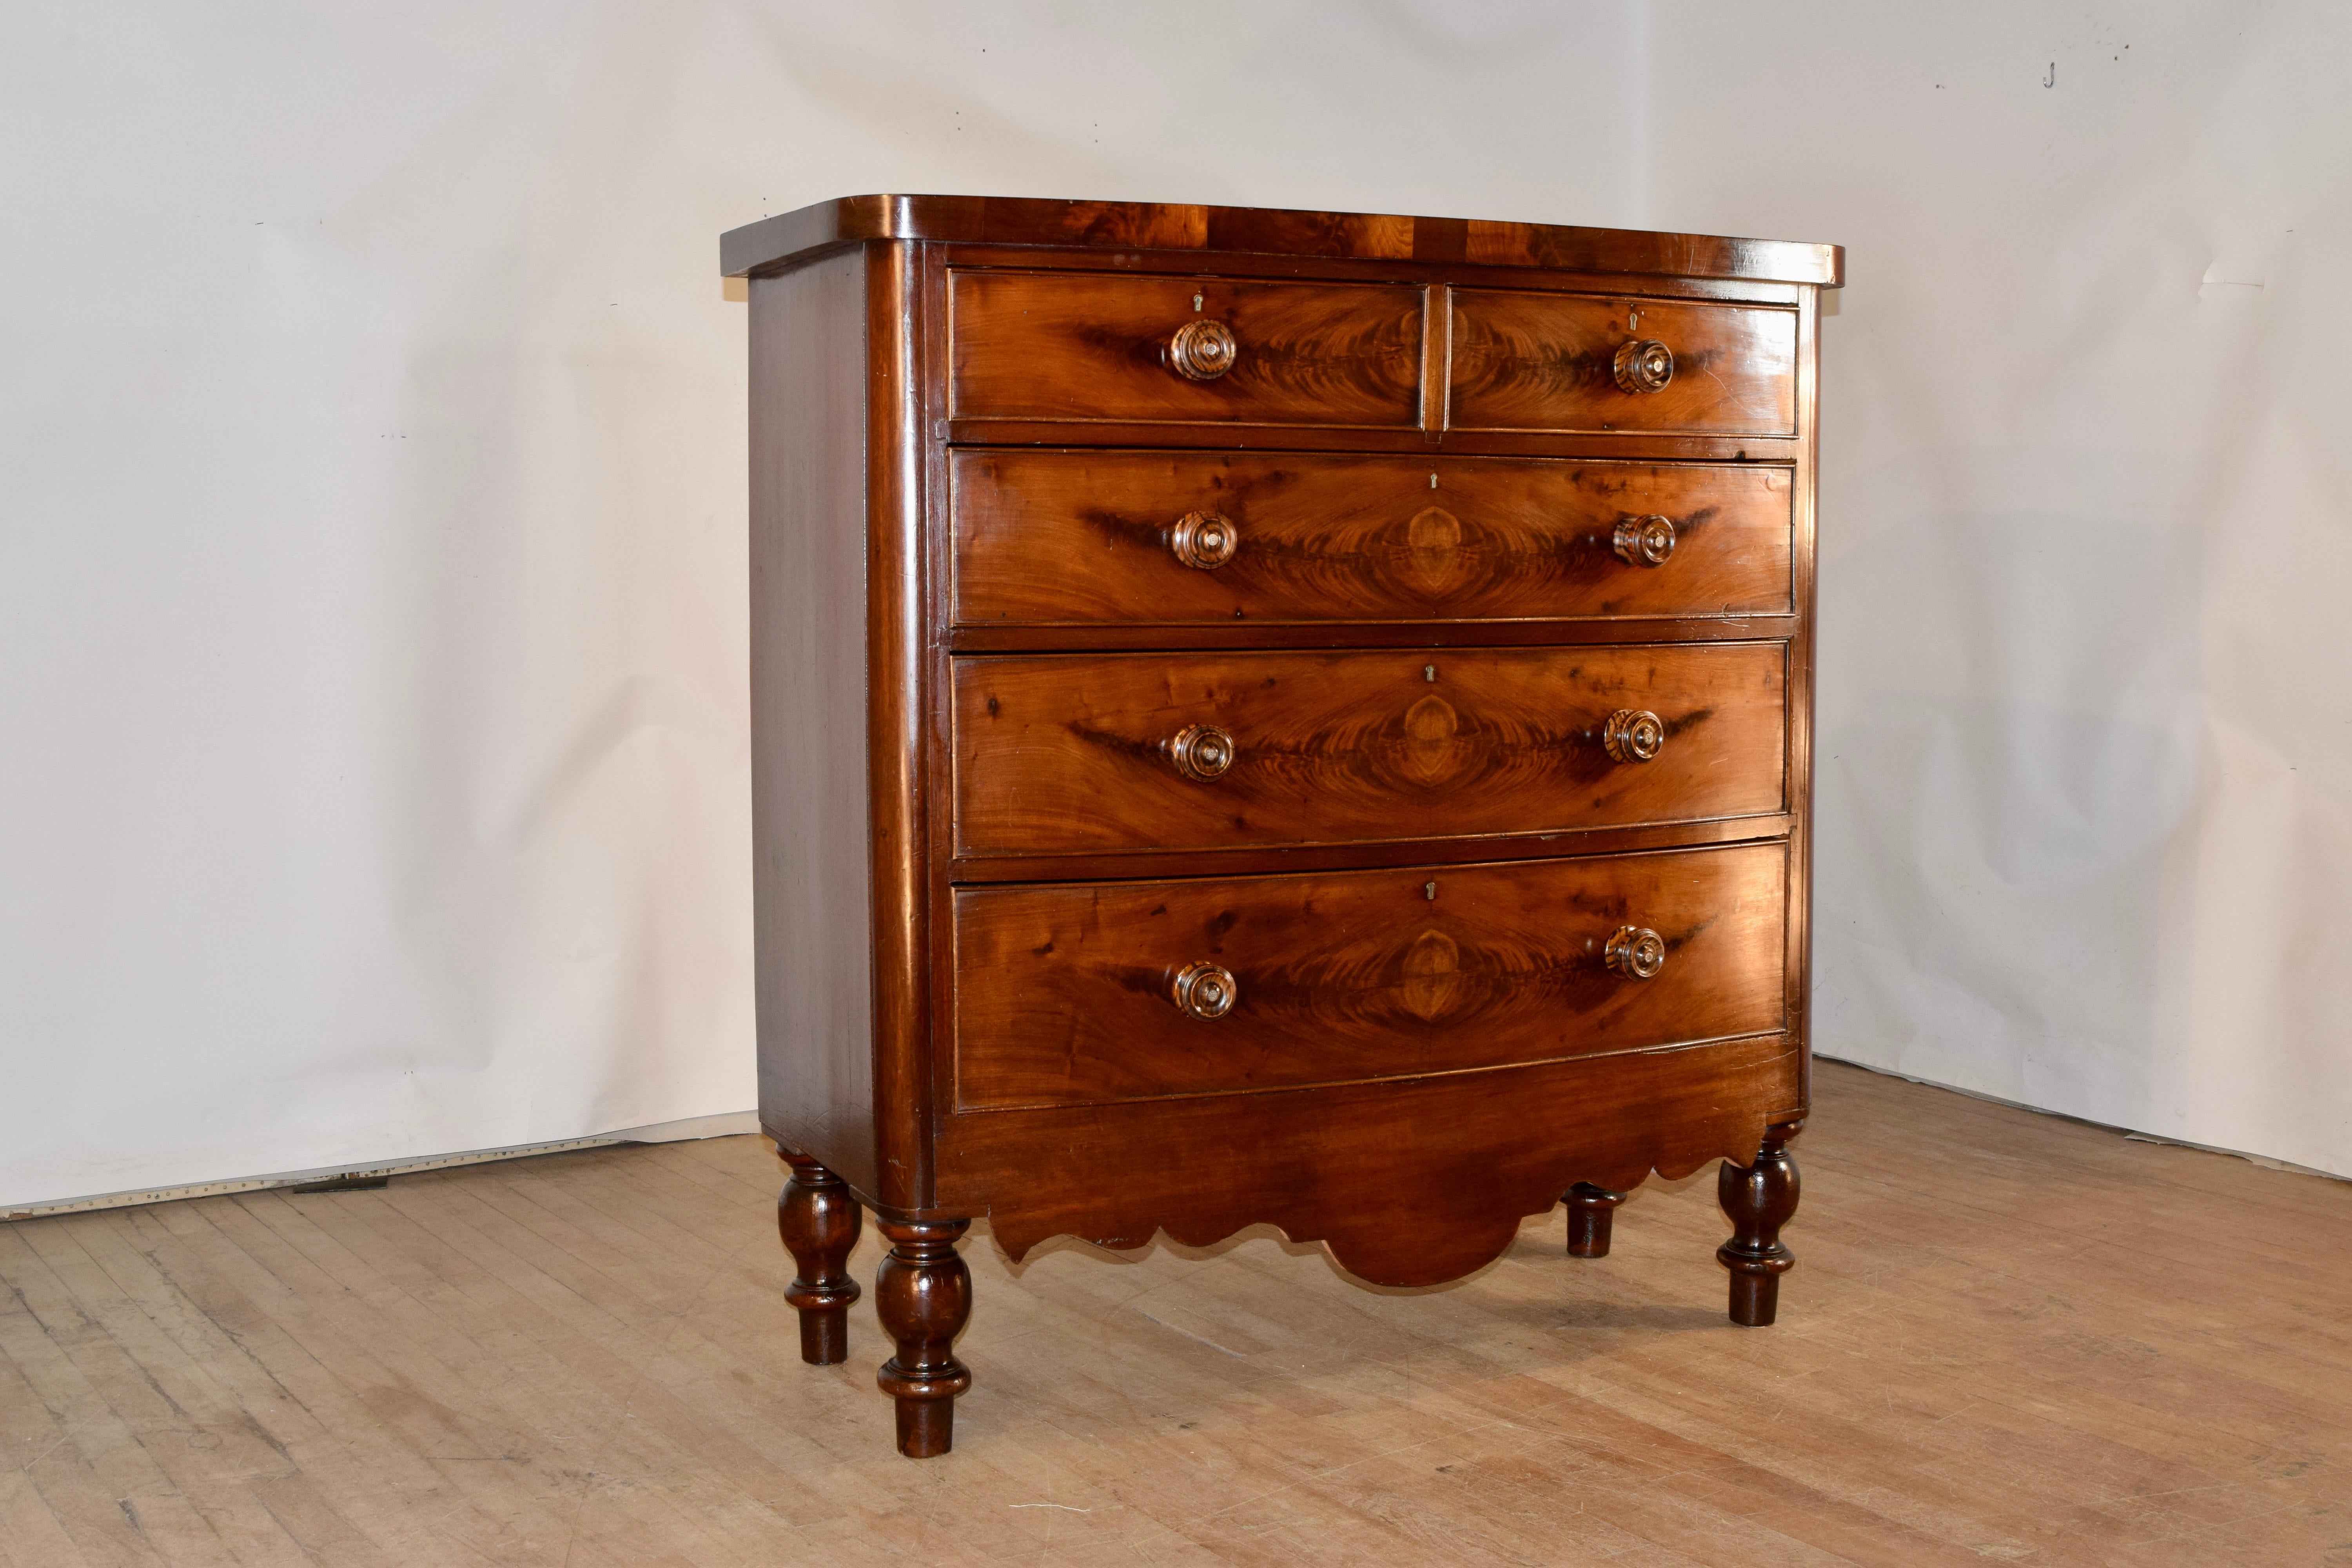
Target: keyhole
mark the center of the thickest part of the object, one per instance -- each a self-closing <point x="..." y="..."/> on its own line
<point x="1429" y="673"/>
<point x="1433" y="481"/>
<point x="1429" y="891"/>
<point x="1196" y="304"/>
<point x="1632" y="318"/>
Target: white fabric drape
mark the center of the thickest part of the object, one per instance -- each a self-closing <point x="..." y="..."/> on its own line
<point x="2085" y="738"/>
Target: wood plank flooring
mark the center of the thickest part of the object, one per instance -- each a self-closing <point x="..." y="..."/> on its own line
<point x="2007" y="1338"/>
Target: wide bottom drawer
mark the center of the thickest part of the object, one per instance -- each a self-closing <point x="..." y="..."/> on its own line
<point x="1098" y="992"/>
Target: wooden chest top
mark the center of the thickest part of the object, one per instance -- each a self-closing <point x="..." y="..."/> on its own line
<point x="775" y="243"/>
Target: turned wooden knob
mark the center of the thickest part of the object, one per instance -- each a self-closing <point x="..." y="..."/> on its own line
<point x="1644" y="540"/>
<point x="1634" y="735"/>
<point x="1644" y="365"/>
<point x="1201" y="750"/>
<point x="1205" y="991"/>
<point x="1637" y="952"/>
<point x="1203" y="351"/>
<point x="1204" y="539"/>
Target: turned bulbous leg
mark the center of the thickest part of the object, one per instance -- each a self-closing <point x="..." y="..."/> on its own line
<point x="819" y="1221"/>
<point x="1589" y="1211"/>
<point x="1758" y="1199"/>
<point x="923" y="1293"/>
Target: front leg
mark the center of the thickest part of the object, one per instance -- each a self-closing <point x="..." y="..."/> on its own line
<point x="923" y="1293"/>
<point x="1759" y="1198"/>
<point x="818" y="1218"/>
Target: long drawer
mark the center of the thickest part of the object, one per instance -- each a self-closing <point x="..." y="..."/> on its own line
<point x="1093" y="538"/>
<point x="1589" y="362"/>
<point x="1072" y="754"/>
<point x="1082" y="347"/>
<point x="1087" y="993"/>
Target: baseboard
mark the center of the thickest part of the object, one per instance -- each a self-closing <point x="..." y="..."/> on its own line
<point x="730" y="1124"/>
<point x="2131" y="1133"/>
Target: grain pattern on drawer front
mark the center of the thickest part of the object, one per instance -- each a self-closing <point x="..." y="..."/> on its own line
<point x="1093" y="537"/>
<point x="1526" y="361"/>
<point x="1065" y="994"/>
<point x="1087" y="346"/>
<point x="1069" y="754"/>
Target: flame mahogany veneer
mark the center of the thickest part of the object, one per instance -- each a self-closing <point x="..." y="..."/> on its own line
<point x="1300" y="717"/>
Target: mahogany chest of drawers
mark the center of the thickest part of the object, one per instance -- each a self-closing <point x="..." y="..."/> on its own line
<point x="1271" y="717"/>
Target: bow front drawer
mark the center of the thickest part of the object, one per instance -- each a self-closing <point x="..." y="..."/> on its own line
<point x="1587" y="363"/>
<point x="1091" y="347"/>
<point x="1095" y="993"/>
<point x="1072" y="754"/>
<point x="1104" y="538"/>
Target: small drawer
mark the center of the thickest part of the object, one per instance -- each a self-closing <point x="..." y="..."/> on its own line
<point x="1095" y="538"/>
<point x="1095" y="347"/>
<point x="1090" y="993"/>
<point x="1587" y="363"/>
<point x="1073" y="753"/>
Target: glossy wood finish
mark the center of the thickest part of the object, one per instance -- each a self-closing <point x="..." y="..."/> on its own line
<point x="923" y="1294"/>
<point x="1085" y="348"/>
<point x="1064" y="993"/>
<point x="1528" y="360"/>
<point x="1321" y="605"/>
<point x="818" y="1219"/>
<point x="1759" y="1197"/>
<point x="901" y="695"/>
<point x="775" y="243"/>
<point x="1244" y="634"/>
<point x="1432" y="433"/>
<point x="1357" y="1167"/>
<point x="1087" y="538"/>
<point x="811" y="876"/>
<point x="1366" y="855"/>
<point x="1590" y="1211"/>
<point x="1072" y="754"/>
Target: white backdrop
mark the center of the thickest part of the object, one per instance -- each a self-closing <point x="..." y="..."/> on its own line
<point x="371" y="608"/>
<point x="2085" y="707"/>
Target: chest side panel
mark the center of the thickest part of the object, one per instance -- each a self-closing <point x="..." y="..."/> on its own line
<point x="811" y="890"/>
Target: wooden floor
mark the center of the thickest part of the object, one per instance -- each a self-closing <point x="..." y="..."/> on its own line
<point x="2007" y="1338"/>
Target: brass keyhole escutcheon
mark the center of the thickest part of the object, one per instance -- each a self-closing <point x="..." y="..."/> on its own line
<point x="1203" y="539"/>
<point x="1203" y="351"/>
<point x="1634" y="735"/>
<point x="1637" y="952"/>
<point x="1644" y="365"/>
<point x="1201" y="752"/>
<point x="1205" y="991"/>
<point x="1644" y="540"/>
